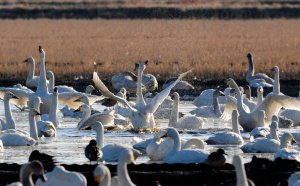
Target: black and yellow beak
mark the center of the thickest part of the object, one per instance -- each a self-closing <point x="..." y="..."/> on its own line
<point x="26" y="60"/>
<point x="273" y="69"/>
<point x="37" y="113"/>
<point x="77" y="110"/>
<point x="226" y="81"/>
<point x="78" y="100"/>
<point x="14" y="97"/>
<point x="294" y="141"/>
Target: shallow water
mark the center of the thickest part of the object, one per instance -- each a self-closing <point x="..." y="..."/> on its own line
<point x="68" y="146"/>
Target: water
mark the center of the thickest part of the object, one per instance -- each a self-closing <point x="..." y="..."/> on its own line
<point x="68" y="146"/>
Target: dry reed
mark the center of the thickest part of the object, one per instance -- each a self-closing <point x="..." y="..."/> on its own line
<point x="216" y="49"/>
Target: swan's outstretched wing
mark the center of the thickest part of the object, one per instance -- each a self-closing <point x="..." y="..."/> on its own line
<point x="274" y="102"/>
<point x="105" y="119"/>
<point x="22" y="94"/>
<point x="68" y="98"/>
<point x="230" y="105"/>
<point x="104" y="90"/>
<point x="160" y="97"/>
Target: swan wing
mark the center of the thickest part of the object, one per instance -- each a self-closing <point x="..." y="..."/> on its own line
<point x="105" y="119"/>
<point x="94" y="98"/>
<point x="230" y="105"/>
<point x="274" y="102"/>
<point x="160" y="97"/>
<point x="64" y="88"/>
<point x="68" y="98"/>
<point x="22" y="94"/>
<point x="104" y="90"/>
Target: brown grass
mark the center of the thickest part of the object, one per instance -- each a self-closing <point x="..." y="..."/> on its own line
<point x="216" y="49"/>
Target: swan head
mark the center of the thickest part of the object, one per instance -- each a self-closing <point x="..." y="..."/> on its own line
<point x="249" y="56"/>
<point x="41" y="52"/>
<point x="171" y="132"/>
<point x="100" y="172"/>
<point x="218" y="93"/>
<point x="9" y="95"/>
<point x="275" y="118"/>
<point x="127" y="156"/>
<point x="274" y="125"/>
<point x="237" y="160"/>
<point x="49" y="74"/>
<point x="275" y="69"/>
<point x="29" y="60"/>
<point x="89" y="89"/>
<point x="83" y="107"/>
<point x="36" y="168"/>
<point x="141" y="66"/>
<point x="230" y="82"/>
<point x="160" y="134"/>
<point x="260" y="89"/>
<point x="241" y="90"/>
<point x="97" y="126"/>
<point x="33" y="112"/>
<point x="175" y="95"/>
<point x="288" y="137"/>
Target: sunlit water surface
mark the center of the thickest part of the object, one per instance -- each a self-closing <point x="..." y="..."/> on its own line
<point x="68" y="146"/>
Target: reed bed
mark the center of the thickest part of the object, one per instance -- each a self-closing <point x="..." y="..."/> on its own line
<point x="216" y="49"/>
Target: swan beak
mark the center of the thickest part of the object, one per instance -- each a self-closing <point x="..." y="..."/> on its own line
<point x="77" y="110"/>
<point x="93" y="88"/>
<point x="26" y="60"/>
<point x="40" y="49"/>
<point x="97" y="179"/>
<point x="15" y="97"/>
<point x="78" y="100"/>
<point x="37" y="113"/>
<point x="226" y="81"/>
<point x="164" y="136"/>
<point x="136" y="66"/>
<point x="146" y="62"/>
<point x="273" y="69"/>
<point x="43" y="177"/>
<point x="293" y="140"/>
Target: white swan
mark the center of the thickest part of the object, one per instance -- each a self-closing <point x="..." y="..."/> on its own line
<point x="123" y="178"/>
<point x="250" y="75"/>
<point x="88" y="119"/>
<point x="1" y="146"/>
<point x="261" y="130"/>
<point x="294" y="179"/>
<point x="241" y="177"/>
<point x="10" y="122"/>
<point x="60" y="89"/>
<point x="13" y="137"/>
<point x="180" y="85"/>
<point x="26" y="172"/>
<point x="186" y="122"/>
<point x="111" y="152"/>
<point x="142" y="113"/>
<point x="226" y="138"/>
<point x="269" y="145"/>
<point x="287" y="153"/>
<point x="260" y="95"/>
<point x="271" y="105"/>
<point x="206" y="98"/>
<point x="32" y="80"/>
<point x="52" y="116"/>
<point x="214" y="110"/>
<point x="61" y="177"/>
<point x="183" y="156"/>
<point x="259" y="83"/>
<point x="42" y="89"/>
<point x="102" y="175"/>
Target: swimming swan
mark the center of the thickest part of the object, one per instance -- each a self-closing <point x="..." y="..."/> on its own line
<point x="61" y="177"/>
<point x="271" y="105"/>
<point x="250" y="75"/>
<point x="26" y="172"/>
<point x="261" y="130"/>
<point x="88" y="119"/>
<point x="183" y="156"/>
<point x="111" y="152"/>
<point x="185" y="122"/>
<point x="226" y="138"/>
<point x="142" y="113"/>
<point x="32" y="80"/>
<point x="10" y="122"/>
<point x="180" y="85"/>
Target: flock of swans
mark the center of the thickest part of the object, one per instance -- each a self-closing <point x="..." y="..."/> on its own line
<point x="261" y="120"/>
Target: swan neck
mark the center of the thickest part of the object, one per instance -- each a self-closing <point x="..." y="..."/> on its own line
<point x="33" y="128"/>
<point x="8" y="116"/>
<point x="26" y="176"/>
<point x="106" y="180"/>
<point x="251" y="67"/>
<point x="100" y="137"/>
<point x="139" y="96"/>
<point x="239" y="100"/>
<point x="51" y="83"/>
<point x="42" y="86"/>
<point x="124" y="178"/>
<point x="276" y="85"/>
<point x="283" y="143"/>
<point x="216" y="104"/>
<point x="53" y="108"/>
<point x="259" y="98"/>
<point x="261" y="120"/>
<point x="174" y="113"/>
<point x="241" y="178"/>
<point x="274" y="134"/>
<point x="235" y="127"/>
<point x="31" y="70"/>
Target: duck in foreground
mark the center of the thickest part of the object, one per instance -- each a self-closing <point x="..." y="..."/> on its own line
<point x="216" y="159"/>
<point x="92" y="151"/>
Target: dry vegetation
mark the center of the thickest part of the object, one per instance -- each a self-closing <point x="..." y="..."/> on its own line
<point x="216" y="49"/>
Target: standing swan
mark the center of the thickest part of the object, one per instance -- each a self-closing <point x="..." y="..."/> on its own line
<point x="186" y="122"/>
<point x="32" y="80"/>
<point x="271" y="105"/>
<point x="250" y="75"/>
<point x="142" y="113"/>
